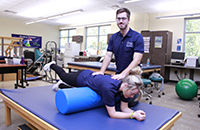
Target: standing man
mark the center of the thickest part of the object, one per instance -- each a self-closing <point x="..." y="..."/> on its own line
<point x="127" y="46"/>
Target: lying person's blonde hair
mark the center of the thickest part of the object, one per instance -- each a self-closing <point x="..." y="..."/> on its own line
<point x="134" y="81"/>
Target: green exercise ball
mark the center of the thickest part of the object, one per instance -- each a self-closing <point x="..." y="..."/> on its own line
<point x="186" y="89"/>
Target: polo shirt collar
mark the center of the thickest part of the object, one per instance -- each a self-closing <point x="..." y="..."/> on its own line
<point x="129" y="34"/>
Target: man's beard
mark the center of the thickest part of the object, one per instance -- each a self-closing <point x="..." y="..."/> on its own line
<point x="123" y="27"/>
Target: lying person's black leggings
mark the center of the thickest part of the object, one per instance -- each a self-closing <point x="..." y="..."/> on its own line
<point x="69" y="78"/>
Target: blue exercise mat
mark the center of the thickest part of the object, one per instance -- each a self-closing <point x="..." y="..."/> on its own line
<point x="41" y="102"/>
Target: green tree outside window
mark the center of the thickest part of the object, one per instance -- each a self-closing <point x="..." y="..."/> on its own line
<point x="192" y="37"/>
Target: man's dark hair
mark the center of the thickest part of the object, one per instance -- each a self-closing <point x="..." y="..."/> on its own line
<point x="121" y="10"/>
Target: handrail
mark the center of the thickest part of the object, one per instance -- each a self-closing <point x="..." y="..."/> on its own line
<point x="11" y="38"/>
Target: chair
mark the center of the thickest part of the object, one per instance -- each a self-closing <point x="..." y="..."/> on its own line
<point x="145" y="89"/>
<point x="157" y="78"/>
<point x="155" y="85"/>
<point x="199" y="105"/>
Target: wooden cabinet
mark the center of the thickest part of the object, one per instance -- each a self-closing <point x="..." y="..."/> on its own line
<point x="159" y="49"/>
<point x="108" y="37"/>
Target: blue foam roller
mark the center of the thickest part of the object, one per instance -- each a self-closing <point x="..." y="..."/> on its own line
<point x="72" y="100"/>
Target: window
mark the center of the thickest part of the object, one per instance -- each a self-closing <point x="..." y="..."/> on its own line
<point x="66" y="37"/>
<point x="192" y="37"/>
<point x="96" y="39"/>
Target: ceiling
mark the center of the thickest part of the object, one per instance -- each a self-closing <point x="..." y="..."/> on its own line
<point x="93" y="10"/>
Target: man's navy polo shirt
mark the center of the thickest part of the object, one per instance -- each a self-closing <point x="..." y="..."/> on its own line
<point x="124" y="48"/>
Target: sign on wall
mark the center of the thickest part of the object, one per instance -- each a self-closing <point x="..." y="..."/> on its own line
<point x="30" y="41"/>
<point x="158" y="41"/>
<point x="179" y="44"/>
<point x="147" y="42"/>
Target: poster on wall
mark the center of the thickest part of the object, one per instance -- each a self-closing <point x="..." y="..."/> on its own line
<point x="158" y="42"/>
<point x="30" y="41"/>
<point x="146" y="44"/>
<point x="179" y="44"/>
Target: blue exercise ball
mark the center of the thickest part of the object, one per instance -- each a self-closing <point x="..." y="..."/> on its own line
<point x="186" y="89"/>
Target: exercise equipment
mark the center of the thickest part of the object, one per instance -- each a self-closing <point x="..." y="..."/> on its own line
<point x="72" y="100"/>
<point x="13" y="40"/>
<point x="35" y="61"/>
<point x="35" y="64"/>
<point x="53" y="47"/>
<point x="186" y="89"/>
<point x="40" y="58"/>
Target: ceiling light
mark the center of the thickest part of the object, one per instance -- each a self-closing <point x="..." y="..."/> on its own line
<point x="55" y="16"/>
<point x="10" y="11"/>
<point x="130" y="1"/>
<point x="113" y="7"/>
<point x="174" y="16"/>
<point x="40" y="20"/>
<point x="89" y="25"/>
<point x="127" y="1"/>
<point x="31" y="22"/>
<point x="72" y="12"/>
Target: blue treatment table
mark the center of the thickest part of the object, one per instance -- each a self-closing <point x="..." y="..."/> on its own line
<point x="95" y="66"/>
<point x="37" y="106"/>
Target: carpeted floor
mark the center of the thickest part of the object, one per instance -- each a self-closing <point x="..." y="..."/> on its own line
<point x="189" y="109"/>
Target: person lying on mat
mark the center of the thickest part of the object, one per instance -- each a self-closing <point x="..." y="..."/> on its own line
<point x="106" y="87"/>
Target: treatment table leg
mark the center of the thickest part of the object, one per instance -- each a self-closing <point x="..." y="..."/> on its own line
<point x="7" y="115"/>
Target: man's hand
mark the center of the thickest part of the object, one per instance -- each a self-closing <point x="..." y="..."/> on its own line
<point x="98" y="73"/>
<point x="118" y="76"/>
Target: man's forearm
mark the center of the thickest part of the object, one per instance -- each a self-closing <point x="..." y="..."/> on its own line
<point x="105" y="63"/>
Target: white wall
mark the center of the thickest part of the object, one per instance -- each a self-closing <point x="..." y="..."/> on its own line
<point x="47" y="32"/>
<point x="139" y="22"/>
<point x="81" y="31"/>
